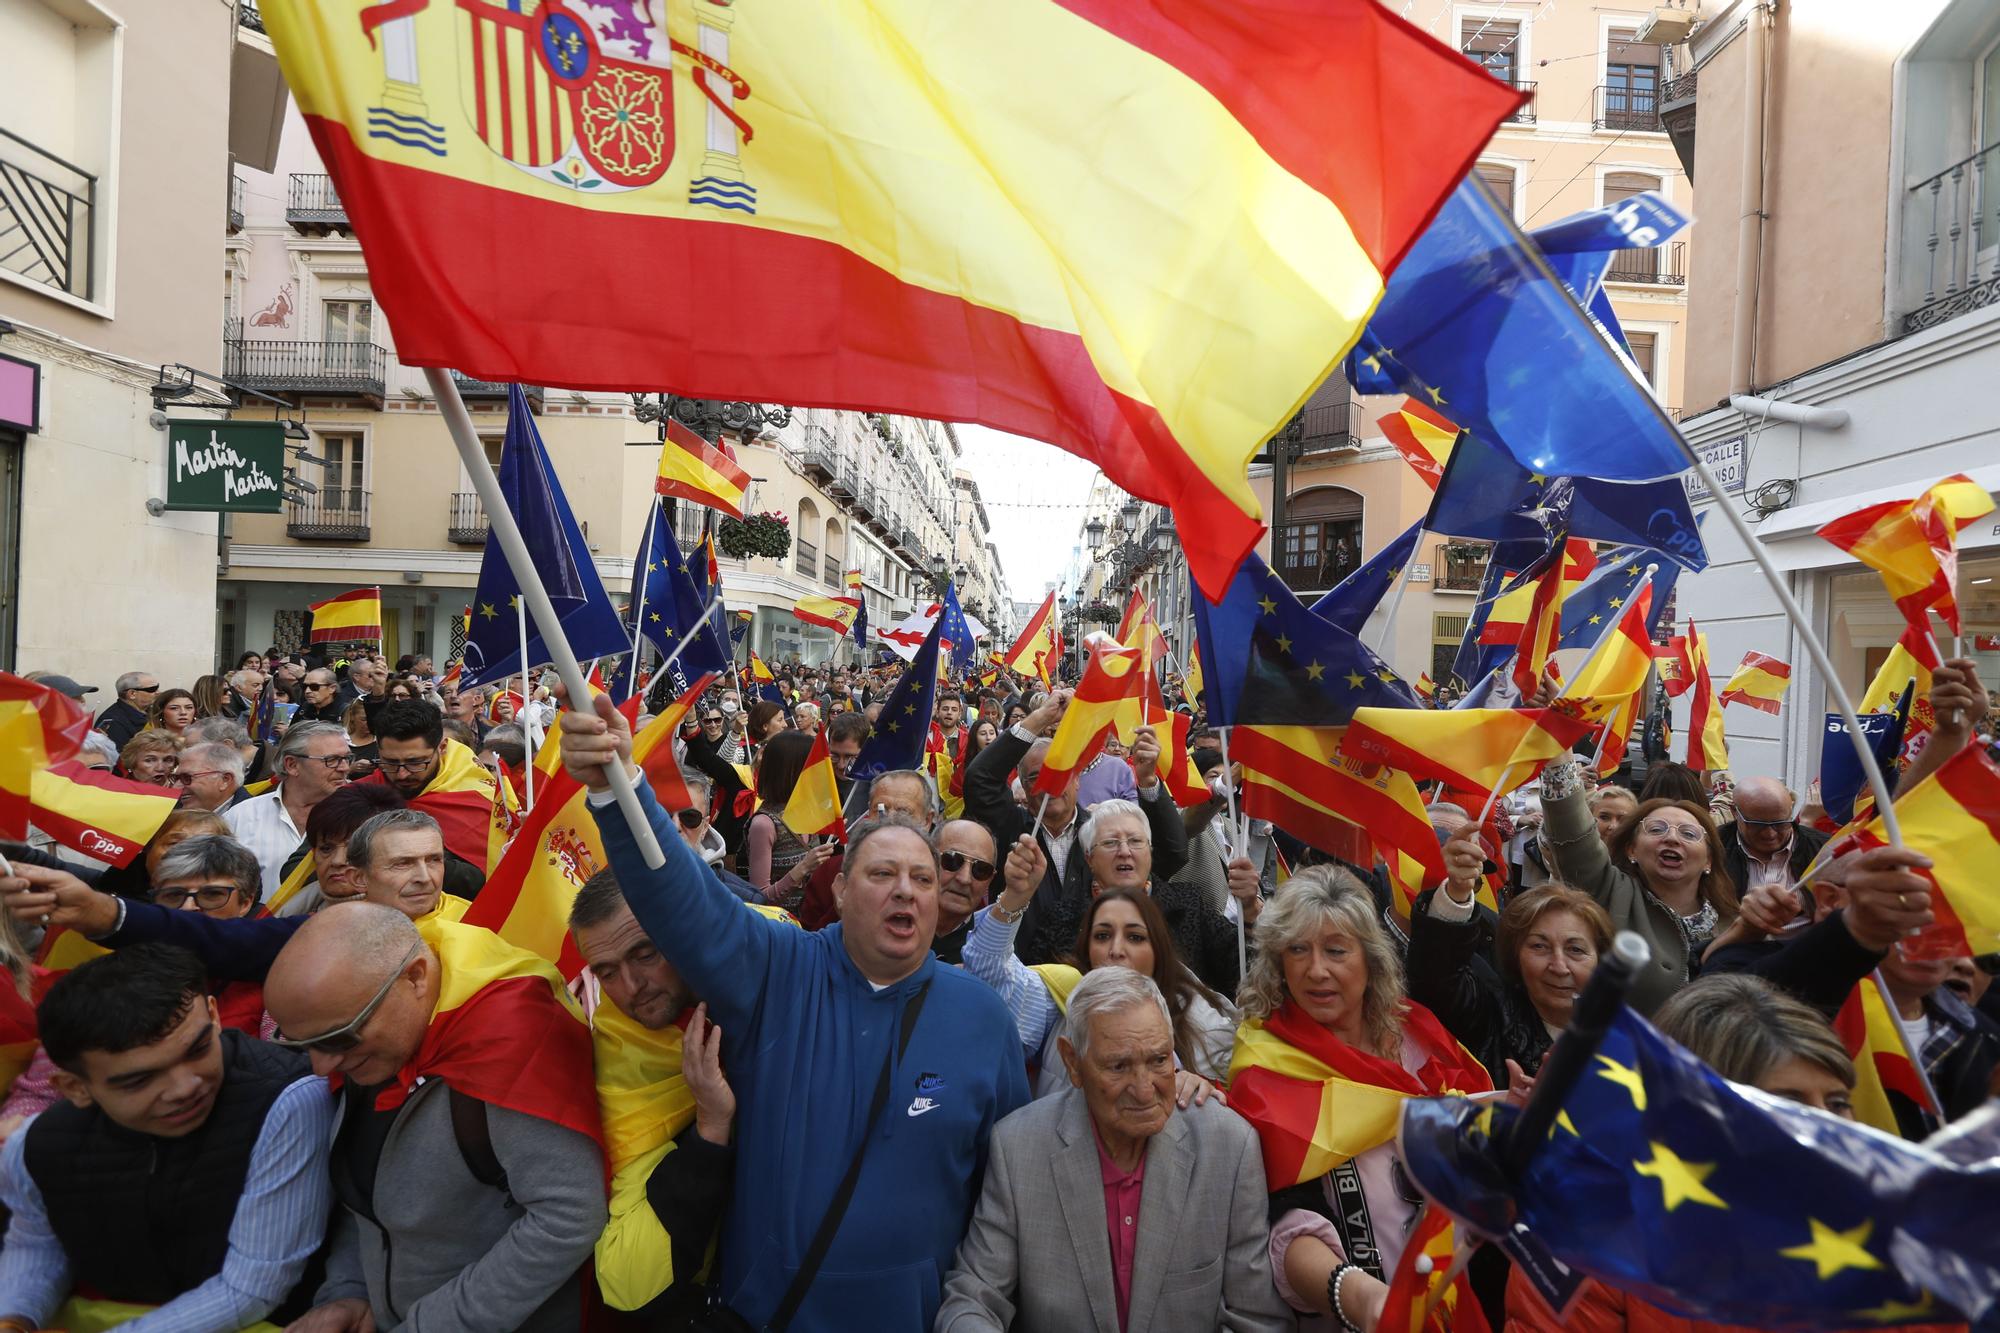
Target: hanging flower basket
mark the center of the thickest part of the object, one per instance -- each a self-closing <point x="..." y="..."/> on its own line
<point x="767" y="535"/>
<point x="1098" y="613"/>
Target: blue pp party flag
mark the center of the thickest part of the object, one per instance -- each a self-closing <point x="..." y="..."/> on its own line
<point x="560" y="555"/>
<point x="1476" y="323"/>
<point x="1580" y="248"/>
<point x="1355" y="597"/>
<point x="1721" y="1203"/>
<point x="1268" y="660"/>
<point x="904" y="723"/>
<point x="1841" y="779"/>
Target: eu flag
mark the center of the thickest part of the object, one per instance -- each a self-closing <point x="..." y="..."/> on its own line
<point x="905" y="721"/>
<point x="1476" y="323"/>
<point x="860" y="630"/>
<point x="1602" y="598"/>
<point x="561" y="557"/>
<point x="1355" y="597"/>
<point x="964" y="653"/>
<point x="675" y="598"/>
<point x="1268" y="660"/>
<point x="1722" y="1203"/>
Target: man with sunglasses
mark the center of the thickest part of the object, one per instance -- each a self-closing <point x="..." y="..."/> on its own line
<point x="126" y="717"/>
<point x="320" y="700"/>
<point x="967" y="862"/>
<point x="185" y="1168"/>
<point x="468" y="1162"/>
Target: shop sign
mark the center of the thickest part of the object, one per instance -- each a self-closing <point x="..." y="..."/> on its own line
<point x="226" y="467"/>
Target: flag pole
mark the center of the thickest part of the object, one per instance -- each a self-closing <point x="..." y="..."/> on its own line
<point x="1604" y="737"/>
<point x="688" y="637"/>
<point x="1229" y="794"/>
<point x="527" y="697"/>
<point x="535" y="597"/>
<point x="1396" y="595"/>
<point x="639" y="595"/>
<point x="1910" y="1051"/>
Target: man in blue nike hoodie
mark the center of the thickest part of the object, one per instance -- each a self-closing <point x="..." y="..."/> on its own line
<point x="808" y="1018"/>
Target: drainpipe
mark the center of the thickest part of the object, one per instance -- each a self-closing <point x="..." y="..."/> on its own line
<point x="1750" y="224"/>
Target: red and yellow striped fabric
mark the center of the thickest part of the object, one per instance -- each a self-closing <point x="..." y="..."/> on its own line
<point x="693" y="469"/>
<point x="1867" y="1029"/>
<point x="38" y="727"/>
<point x="834" y="613"/>
<point x="94" y="812"/>
<point x="1035" y="652"/>
<point x="1759" y="682"/>
<point x="1472" y="749"/>
<point x="1139" y="630"/>
<point x="1114" y="680"/>
<point x="1297" y="778"/>
<point x="1617" y="668"/>
<point x="352" y="617"/>
<point x="1707" y="748"/>
<point x="815" y="804"/>
<point x="903" y="178"/>
<point x="1423" y="437"/>
<point x="1913" y="544"/>
<point x="1410" y="1296"/>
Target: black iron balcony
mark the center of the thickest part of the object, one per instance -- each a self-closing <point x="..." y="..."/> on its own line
<point x="1662" y="266"/>
<point x="345" y="369"/>
<point x="336" y="514"/>
<point x="1944" y="239"/>
<point x="313" y="206"/>
<point x="819" y="457"/>
<point x="833" y="570"/>
<point x="473" y="391"/>
<point x="247" y="15"/>
<point x="841" y="486"/>
<point x="1323" y="426"/>
<point x="47" y="211"/>
<point x="1621" y="107"/>
<point x="1525" y="113"/>
<point x="864" y="499"/>
<point x="235" y="203"/>
<point x="1462" y="566"/>
<point x="468" y="519"/>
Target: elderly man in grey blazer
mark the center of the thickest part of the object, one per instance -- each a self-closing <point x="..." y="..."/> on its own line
<point x="1103" y="1208"/>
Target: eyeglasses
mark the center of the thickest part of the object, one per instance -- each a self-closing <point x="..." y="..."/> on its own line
<point x="145" y="689"/>
<point x="206" y="896"/>
<point x="1762" y="823"/>
<point x="334" y="762"/>
<point x="1121" y="844"/>
<point x="711" y="722"/>
<point x="1660" y="828"/>
<point x="320" y="685"/>
<point x="691" y="819"/>
<point x="348" y="1035"/>
<point x="407" y="765"/>
<point x="952" y="862"/>
<point x="186" y="779"/>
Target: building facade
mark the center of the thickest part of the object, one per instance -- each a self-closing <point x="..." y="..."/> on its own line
<point x="1846" y="336"/>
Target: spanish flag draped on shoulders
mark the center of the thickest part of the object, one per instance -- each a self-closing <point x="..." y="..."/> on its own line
<point x="462" y="797"/>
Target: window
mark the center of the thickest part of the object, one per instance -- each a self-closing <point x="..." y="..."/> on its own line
<point x="1639" y="265"/>
<point x="1321" y="543"/>
<point x="1644" y="346"/>
<point x="346" y="484"/>
<point x="1631" y="83"/>
<point x="1493" y="44"/>
<point x="349" y="321"/>
<point x="1499" y="178"/>
<point x="59" y="149"/>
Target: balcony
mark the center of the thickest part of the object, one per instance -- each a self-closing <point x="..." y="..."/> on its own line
<point x="1951" y="242"/>
<point x="332" y="369"/>
<point x="474" y="392"/>
<point x="1525" y="113"/>
<point x="336" y="514"/>
<point x="1626" y="108"/>
<point x="468" y="519"/>
<point x="313" y="206"/>
<point x="819" y="458"/>
<point x="1462" y="566"/>
<point x="1660" y="266"/>
<point x="1322" y="427"/>
<point x="48" y="208"/>
<point x="247" y="15"/>
<point x="843" y="482"/>
<point x="833" y="570"/>
<point x="235" y="203"/>
<point x="864" y="499"/>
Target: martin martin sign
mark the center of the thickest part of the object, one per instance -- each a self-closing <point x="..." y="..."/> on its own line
<point x="232" y="467"/>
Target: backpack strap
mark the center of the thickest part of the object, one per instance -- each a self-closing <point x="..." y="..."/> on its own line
<point x="475" y="1140"/>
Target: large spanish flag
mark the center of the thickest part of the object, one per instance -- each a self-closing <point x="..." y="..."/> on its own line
<point x="835" y="613"/>
<point x="1297" y="778"/>
<point x="352" y="617"/>
<point x="693" y="469"/>
<point x="1760" y="682"/>
<point x="1472" y="749"/>
<point x="547" y="196"/>
<point x="39" y="726"/>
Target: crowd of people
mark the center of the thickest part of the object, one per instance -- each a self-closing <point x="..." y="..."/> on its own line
<point x="985" y="1062"/>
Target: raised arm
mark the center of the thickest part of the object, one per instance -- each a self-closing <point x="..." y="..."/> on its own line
<point x="240" y="949"/>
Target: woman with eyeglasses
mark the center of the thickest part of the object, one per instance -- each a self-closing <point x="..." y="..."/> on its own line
<point x="1660" y="874"/>
<point x="173" y="712"/>
<point x="1323" y="1011"/>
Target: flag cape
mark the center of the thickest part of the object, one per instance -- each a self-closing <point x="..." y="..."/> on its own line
<point x="1035" y="651"/>
<point x="461" y="797"/>
<point x="1760" y="683"/>
<point x="693" y="469"/>
<point x="815" y="803"/>
<point x="835" y="613"/>
<point x="1867" y="1028"/>
<point x="1422" y="436"/>
<point x="352" y="617"/>
<point x="1297" y="778"/>
<point x="1473" y="749"/>
<point x="505" y="1030"/>
<point x="91" y="811"/>
<point x="1707" y="749"/>
<point x="38" y="727"/>
<point x="1953" y="817"/>
<point x="955" y="250"/>
<point x="527" y="896"/>
<point x="1112" y="676"/>
<point x="1913" y="544"/>
<point x="1316" y="1102"/>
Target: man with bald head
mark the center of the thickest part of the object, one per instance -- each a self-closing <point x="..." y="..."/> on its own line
<point x="1766" y="846"/>
<point x="469" y="1145"/>
<point x="967" y="862"/>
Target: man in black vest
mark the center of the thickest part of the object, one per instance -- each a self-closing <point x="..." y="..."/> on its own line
<point x="187" y="1169"/>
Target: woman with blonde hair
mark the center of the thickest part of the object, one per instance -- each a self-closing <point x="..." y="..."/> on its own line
<point x="151" y="756"/>
<point x="208" y="695"/>
<point x="1326" y="1025"/>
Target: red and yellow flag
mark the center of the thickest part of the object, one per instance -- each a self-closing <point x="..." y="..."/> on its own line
<point x="1867" y="1027"/>
<point x="1426" y="688"/>
<point x="105" y="817"/>
<point x="835" y="613"/>
<point x="352" y="617"/>
<point x="1909" y="662"/>
<point x="1423" y="436"/>
<point x="1139" y="630"/>
<point x="815" y="804"/>
<point x="963" y="255"/>
<point x="1114" y="678"/>
<point x="1194" y="685"/>
<point x="1540" y="630"/>
<point x="852" y="581"/>
<point x="1176" y="766"/>
<point x="760" y="671"/>
<point x="1429" y="1248"/>
<point x="1913" y="544"/>
<point x="1473" y="749"/>
<point x="693" y="469"/>
<point x="38" y="727"/>
<point x="1297" y="778"/>
<point x="1036" y="651"/>
<point x="1759" y="682"/>
<point x="1707" y="749"/>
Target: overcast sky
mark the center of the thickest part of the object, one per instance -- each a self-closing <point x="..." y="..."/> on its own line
<point x="1015" y="473"/>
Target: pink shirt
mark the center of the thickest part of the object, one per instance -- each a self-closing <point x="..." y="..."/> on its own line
<point x="1121" y="1216"/>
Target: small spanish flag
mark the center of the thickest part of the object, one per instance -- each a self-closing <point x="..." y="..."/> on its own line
<point x="1913" y="544"/>
<point x="352" y="617"/>
<point x="1418" y="1301"/>
<point x="1426" y="688"/>
<point x="1039" y="647"/>
<point x="38" y="727"/>
<point x="815" y="804"/>
<point x="1473" y="749"/>
<point x="1707" y="749"/>
<point x="1867" y="1028"/>
<point x="1422" y="436"/>
<point x="835" y="613"/>
<point x="1617" y="667"/>
<point x="1113" y="676"/>
<point x="1139" y="630"/>
<point x="853" y="580"/>
<point x="1760" y="682"/>
<point x="693" y="469"/>
<point x="105" y="817"/>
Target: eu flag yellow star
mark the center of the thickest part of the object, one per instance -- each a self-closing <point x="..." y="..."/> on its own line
<point x="654" y="617"/>
<point x="1355" y="680"/>
<point x="514" y="601"/>
<point x="1564" y="1122"/>
<point x="1284" y="643"/>
<point x="1374" y="361"/>
<point x="1314" y="671"/>
<point x="1270" y="608"/>
<point x="892" y="726"/>
<point x="1617" y="602"/>
<point x="1386" y="676"/>
<point x="1680" y="1181"/>
<point x="910" y="709"/>
<point x="487" y="610"/>
<point x="1831" y="1251"/>
<point x="1595" y="620"/>
<point x="652" y="566"/>
<point x="1437" y="395"/>
<point x="1537" y="479"/>
<point x="1631" y="569"/>
<point x="1625" y="1077"/>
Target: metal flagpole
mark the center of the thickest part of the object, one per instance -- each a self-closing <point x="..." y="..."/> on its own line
<point x="527" y="697"/>
<point x="639" y="595"/>
<point x="535" y="596"/>
<point x="1229" y="794"/>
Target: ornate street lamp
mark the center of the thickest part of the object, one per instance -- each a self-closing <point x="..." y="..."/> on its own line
<point x="709" y="417"/>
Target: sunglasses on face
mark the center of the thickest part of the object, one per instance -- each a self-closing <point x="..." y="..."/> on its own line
<point x="207" y="897"/>
<point x="186" y="779"/>
<point x="1763" y="823"/>
<point x="952" y="862"/>
<point x="348" y="1035"/>
<point x="691" y="819"/>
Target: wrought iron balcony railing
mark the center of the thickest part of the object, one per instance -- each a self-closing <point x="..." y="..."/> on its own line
<point x="1951" y="241"/>
<point x="488" y="391"/>
<point x="48" y="209"/>
<point x="313" y="206"/>
<point x="1622" y="107"/>
<point x="468" y="519"/>
<point x="1462" y="566"/>
<point x="1664" y="265"/>
<point x="337" y="513"/>
<point x="235" y="203"/>
<point x="274" y="366"/>
<point x="805" y="557"/>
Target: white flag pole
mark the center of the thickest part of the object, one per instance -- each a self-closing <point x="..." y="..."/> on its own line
<point x="527" y="698"/>
<point x="1396" y="596"/>
<point x="534" y="595"/>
